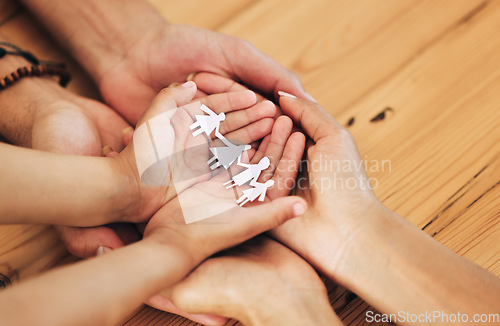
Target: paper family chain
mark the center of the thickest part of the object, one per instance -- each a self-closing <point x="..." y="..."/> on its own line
<point x="226" y="155"/>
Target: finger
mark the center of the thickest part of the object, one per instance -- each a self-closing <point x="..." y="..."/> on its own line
<point x="199" y="94"/>
<point x="286" y="172"/>
<point x="252" y="132"/>
<point x="260" y="72"/>
<point x="169" y="98"/>
<point x="215" y="84"/>
<point x="279" y="136"/>
<point x="313" y="119"/>
<point x="228" y="102"/>
<point x="262" y="217"/>
<point x="84" y="242"/>
<point x="127" y="135"/>
<point x="238" y="119"/>
<point x="259" y="154"/>
<point x="112" y="154"/>
<point x="160" y="302"/>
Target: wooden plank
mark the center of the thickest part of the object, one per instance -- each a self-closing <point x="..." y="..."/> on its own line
<point x="432" y="61"/>
<point x="445" y="125"/>
<point x="207" y="14"/>
<point x="343" y="49"/>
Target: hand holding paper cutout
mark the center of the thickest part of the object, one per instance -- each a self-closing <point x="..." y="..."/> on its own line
<point x="162" y="138"/>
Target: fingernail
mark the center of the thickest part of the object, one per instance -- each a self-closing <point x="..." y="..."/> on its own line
<point x="106" y="150"/>
<point x="299" y="209"/>
<point x="127" y="130"/>
<point x="102" y="250"/>
<point x="188" y="84"/>
<point x="310" y="98"/>
<point x="285" y="94"/>
<point x="191" y="76"/>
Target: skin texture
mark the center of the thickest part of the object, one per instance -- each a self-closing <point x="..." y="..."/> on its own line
<point x="169" y="251"/>
<point x="349" y="236"/>
<point x="245" y="282"/>
<point x="131" y="52"/>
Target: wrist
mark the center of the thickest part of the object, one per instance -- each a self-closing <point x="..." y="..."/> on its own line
<point x="127" y="202"/>
<point x="21" y="101"/>
<point x="367" y="246"/>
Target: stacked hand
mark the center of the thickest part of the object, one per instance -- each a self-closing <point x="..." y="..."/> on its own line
<point x="170" y="52"/>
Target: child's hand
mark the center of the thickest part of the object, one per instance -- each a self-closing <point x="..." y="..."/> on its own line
<point x="231" y="224"/>
<point x="173" y="111"/>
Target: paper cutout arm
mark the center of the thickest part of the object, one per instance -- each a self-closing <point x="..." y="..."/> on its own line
<point x="205" y="109"/>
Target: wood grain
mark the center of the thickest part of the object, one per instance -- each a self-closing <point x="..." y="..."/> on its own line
<point x="433" y="62"/>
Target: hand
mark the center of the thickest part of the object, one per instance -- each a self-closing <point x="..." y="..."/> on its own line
<point x="208" y="195"/>
<point x="279" y="147"/>
<point x="170" y="52"/>
<point x="245" y="121"/>
<point x="336" y="187"/>
<point x="337" y="208"/>
<point x="38" y="113"/>
<point x="258" y="282"/>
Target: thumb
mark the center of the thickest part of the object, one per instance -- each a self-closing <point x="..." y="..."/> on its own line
<point x="259" y="71"/>
<point x="168" y="99"/>
<point x="260" y="218"/>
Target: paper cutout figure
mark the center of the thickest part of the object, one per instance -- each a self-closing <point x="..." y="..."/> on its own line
<point x="251" y="173"/>
<point x="226" y="155"/>
<point x="259" y="190"/>
<point x="207" y="123"/>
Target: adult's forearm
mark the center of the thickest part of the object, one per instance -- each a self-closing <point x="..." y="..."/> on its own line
<point x="39" y="187"/>
<point x="100" y="291"/>
<point x="16" y="106"/>
<point x="98" y="33"/>
<point x="396" y="267"/>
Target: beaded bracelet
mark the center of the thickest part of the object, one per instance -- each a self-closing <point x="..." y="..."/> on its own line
<point x="38" y="69"/>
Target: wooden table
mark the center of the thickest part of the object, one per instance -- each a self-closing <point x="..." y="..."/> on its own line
<point x="432" y="66"/>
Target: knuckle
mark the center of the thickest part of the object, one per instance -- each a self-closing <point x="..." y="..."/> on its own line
<point x="342" y="134"/>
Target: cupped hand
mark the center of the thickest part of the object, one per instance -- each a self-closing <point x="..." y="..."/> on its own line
<point x="336" y="187"/>
<point x="207" y="198"/>
<point x="171" y="52"/>
<point x="246" y="121"/>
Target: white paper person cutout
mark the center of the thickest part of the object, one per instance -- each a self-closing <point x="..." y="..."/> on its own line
<point x="251" y="173"/>
<point x="207" y="123"/>
<point x="226" y="155"/>
<point x="259" y="190"/>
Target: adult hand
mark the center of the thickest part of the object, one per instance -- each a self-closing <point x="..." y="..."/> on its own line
<point x="335" y="184"/>
<point x="245" y="121"/>
<point x="171" y="52"/>
<point x="336" y="187"/>
<point x="40" y="114"/>
<point x="259" y="282"/>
